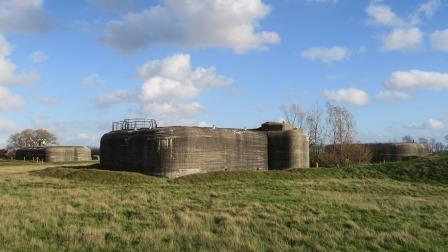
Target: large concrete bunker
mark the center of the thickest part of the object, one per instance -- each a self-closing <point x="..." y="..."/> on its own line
<point x="55" y="154"/>
<point x="141" y="146"/>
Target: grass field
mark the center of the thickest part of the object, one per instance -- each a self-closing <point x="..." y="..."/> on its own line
<point x="398" y="206"/>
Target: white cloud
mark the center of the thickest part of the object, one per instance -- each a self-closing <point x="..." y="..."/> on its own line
<point x="9" y="101"/>
<point x="439" y="40"/>
<point x="171" y="83"/>
<point x="27" y="16"/>
<point x="9" y="76"/>
<point x="120" y="6"/>
<point x="166" y="89"/>
<point x="428" y="9"/>
<point x="49" y="100"/>
<point x="435" y="124"/>
<point x="350" y="96"/>
<point x="172" y="109"/>
<point x="115" y="97"/>
<point x="388" y="95"/>
<point x="383" y="15"/>
<point x="212" y="23"/>
<point x="6" y="126"/>
<point x="330" y="54"/>
<point x="403" y="39"/>
<point x="38" y="57"/>
<point x="416" y="79"/>
<point x="415" y="125"/>
<point x="169" y="89"/>
<point x="93" y="79"/>
<point x="405" y="34"/>
<point x="431" y="124"/>
<point x="5" y="47"/>
<point x="8" y="70"/>
<point x="173" y="78"/>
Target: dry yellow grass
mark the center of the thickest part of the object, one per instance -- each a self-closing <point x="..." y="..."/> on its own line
<point x="320" y="211"/>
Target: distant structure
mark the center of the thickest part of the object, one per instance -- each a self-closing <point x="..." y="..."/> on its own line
<point x="140" y="145"/>
<point x="55" y="154"/>
<point x="3" y="153"/>
<point x="394" y="152"/>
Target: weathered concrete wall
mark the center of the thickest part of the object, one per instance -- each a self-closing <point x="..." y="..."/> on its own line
<point x="179" y="151"/>
<point x="392" y="152"/>
<point x="30" y="154"/>
<point x="55" y="154"/>
<point x="67" y="153"/>
<point x="288" y="149"/>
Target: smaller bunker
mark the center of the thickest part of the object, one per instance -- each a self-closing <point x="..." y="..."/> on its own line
<point x="393" y="152"/>
<point x="55" y="154"/>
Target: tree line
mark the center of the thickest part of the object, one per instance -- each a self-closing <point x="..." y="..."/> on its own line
<point x="332" y="133"/>
<point x="28" y="138"/>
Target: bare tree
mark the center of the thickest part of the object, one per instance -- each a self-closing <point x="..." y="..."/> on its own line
<point x="294" y="115"/>
<point x="341" y="128"/>
<point x="423" y="140"/>
<point x="316" y="131"/>
<point x="438" y="147"/>
<point x="341" y="125"/>
<point x="30" y="138"/>
<point x="408" y="139"/>
<point x="432" y="144"/>
<point x="446" y="139"/>
<point x="346" y="155"/>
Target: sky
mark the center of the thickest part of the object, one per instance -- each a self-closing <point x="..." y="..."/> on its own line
<point x="74" y="67"/>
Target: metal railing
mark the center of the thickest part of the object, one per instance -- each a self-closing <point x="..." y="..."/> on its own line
<point x="134" y="124"/>
<point x="117" y="126"/>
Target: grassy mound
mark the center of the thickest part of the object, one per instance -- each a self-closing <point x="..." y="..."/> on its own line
<point x="429" y="169"/>
<point x="88" y="174"/>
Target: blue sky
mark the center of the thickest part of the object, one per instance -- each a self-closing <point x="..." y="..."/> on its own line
<point x="73" y="67"/>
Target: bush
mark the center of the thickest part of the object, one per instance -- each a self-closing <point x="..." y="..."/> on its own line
<point x="344" y="155"/>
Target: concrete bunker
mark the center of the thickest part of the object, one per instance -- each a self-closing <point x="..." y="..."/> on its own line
<point x="139" y="145"/>
<point x="394" y="152"/>
<point x="55" y="154"/>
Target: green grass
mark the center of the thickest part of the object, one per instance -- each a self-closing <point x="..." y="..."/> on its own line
<point x="396" y="206"/>
<point x="7" y="162"/>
